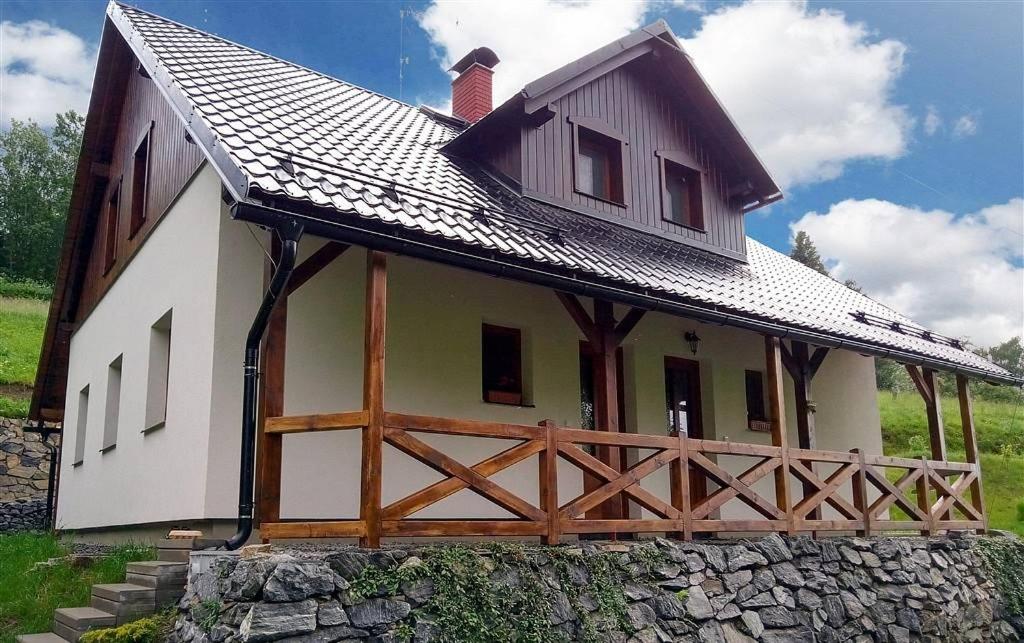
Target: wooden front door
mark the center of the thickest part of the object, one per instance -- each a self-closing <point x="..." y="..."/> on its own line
<point x="683" y="408"/>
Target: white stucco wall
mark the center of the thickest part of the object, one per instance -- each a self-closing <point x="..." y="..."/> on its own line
<point x="158" y="475"/>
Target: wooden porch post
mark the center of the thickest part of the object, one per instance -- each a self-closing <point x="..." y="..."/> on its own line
<point x="927" y="383"/>
<point x="268" y="445"/>
<point x="802" y="367"/>
<point x="606" y="397"/>
<point x="971" y="444"/>
<point x="777" y="416"/>
<point x="373" y="397"/>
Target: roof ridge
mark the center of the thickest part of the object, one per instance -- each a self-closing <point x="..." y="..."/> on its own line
<point x="124" y="5"/>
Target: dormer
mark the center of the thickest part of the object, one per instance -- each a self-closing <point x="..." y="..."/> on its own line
<point x="630" y="133"/>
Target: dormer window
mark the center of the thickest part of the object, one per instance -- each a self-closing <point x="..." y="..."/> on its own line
<point x="598" y="161"/>
<point x="681" y="198"/>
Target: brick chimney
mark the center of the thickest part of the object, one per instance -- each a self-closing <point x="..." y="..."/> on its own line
<point x="471" y="89"/>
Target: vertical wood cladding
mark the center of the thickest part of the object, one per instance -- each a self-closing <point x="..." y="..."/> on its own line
<point x="631" y="102"/>
<point x="172" y="162"/>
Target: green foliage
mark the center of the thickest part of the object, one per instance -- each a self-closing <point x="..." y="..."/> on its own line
<point x="998" y="425"/>
<point x="22" y="322"/>
<point x="206" y="614"/>
<point x="1020" y="511"/>
<point x="14" y="407"/>
<point x="37" y="171"/>
<point x="145" y="630"/>
<point x="28" y="596"/>
<point x="25" y="289"/>
<point x="805" y="252"/>
<point x="1009" y="355"/>
<point x="1004" y="560"/>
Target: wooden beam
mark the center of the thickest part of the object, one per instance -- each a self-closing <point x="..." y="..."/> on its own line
<point x="820" y="353"/>
<point x="935" y="429"/>
<point x="313" y="529"/>
<point x="319" y="422"/>
<point x="801" y="372"/>
<point x="268" y="445"/>
<point x="548" y="482"/>
<point x="971" y="443"/>
<point x="919" y="383"/>
<point x="373" y="397"/>
<point x="314" y="264"/>
<point x="777" y="417"/>
<point x="606" y="397"/>
<point x="628" y="323"/>
<point x="580" y="316"/>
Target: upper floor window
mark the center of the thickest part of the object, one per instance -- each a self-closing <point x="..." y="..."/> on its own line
<point x="502" y="364"/>
<point x="598" y="161"/>
<point x="112" y="221"/>
<point x="681" y="199"/>
<point x="140" y="184"/>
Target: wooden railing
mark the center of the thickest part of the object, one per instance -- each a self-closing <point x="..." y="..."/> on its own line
<point x="863" y="490"/>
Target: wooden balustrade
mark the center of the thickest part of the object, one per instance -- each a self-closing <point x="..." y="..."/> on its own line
<point x="861" y="490"/>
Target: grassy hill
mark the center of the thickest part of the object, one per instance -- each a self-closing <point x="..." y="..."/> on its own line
<point x="22" y="322"/>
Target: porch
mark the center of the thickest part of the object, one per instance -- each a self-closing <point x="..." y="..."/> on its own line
<point x="607" y="481"/>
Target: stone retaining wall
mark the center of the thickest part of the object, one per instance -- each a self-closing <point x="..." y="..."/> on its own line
<point x="770" y="589"/>
<point x="24" y="476"/>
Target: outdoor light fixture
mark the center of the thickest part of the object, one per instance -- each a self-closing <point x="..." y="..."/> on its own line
<point x="692" y="339"/>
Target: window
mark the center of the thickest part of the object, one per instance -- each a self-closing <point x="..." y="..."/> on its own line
<point x="598" y="163"/>
<point x="140" y="184"/>
<point x="113" y="406"/>
<point x="110" y="234"/>
<point x="682" y="397"/>
<point x="681" y="200"/>
<point x="159" y="372"/>
<point x="755" y="399"/>
<point x="83" y="418"/>
<point x="502" y="364"/>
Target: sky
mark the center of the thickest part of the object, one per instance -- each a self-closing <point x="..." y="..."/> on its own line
<point x="896" y="129"/>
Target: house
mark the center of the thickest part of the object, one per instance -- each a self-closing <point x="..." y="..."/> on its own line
<point x="293" y="304"/>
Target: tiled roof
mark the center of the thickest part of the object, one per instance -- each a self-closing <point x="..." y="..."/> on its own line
<point x="291" y="133"/>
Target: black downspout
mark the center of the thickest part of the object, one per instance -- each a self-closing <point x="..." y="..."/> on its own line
<point x="290" y="232"/>
<point x="52" y="481"/>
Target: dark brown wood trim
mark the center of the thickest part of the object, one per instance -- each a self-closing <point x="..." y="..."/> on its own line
<point x="579" y="315"/>
<point x="315" y="263"/>
<point x="628" y="323"/>
<point x="269" y="445"/>
<point x="777" y="416"/>
<point x="970" y="442"/>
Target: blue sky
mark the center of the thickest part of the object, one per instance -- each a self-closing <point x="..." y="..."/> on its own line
<point x="912" y="118"/>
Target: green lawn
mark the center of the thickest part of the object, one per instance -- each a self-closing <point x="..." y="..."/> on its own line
<point x="1000" y="430"/>
<point x="22" y="322"/>
<point x="28" y="598"/>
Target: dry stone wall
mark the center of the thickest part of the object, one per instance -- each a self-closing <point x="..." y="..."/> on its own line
<point x="772" y="589"/>
<point x="24" y="477"/>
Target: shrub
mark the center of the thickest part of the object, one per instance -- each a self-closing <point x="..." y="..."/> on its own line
<point x="25" y="289"/>
<point x="146" y="630"/>
<point x="1020" y="511"/>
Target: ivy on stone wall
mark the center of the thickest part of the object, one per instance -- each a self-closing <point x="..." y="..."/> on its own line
<point x="1004" y="559"/>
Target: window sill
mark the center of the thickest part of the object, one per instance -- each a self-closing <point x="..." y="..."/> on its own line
<point x="77" y="464"/>
<point x="683" y="225"/>
<point x="153" y="427"/>
<point x="619" y="204"/>
<point x="108" y="449"/>
<point x="521" y="405"/>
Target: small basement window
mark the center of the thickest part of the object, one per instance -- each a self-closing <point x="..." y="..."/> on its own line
<point x="681" y="198"/>
<point x="756" y="414"/>
<point x="112" y="220"/>
<point x="140" y="184"/>
<point x="502" y="364"/>
<point x="111" y="416"/>
<point x="80" y="424"/>
<point x="599" y="165"/>
<point x="158" y="377"/>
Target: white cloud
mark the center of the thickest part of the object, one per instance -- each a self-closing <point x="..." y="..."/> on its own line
<point x="43" y="70"/>
<point x="966" y="125"/>
<point x="932" y="120"/>
<point x="809" y="88"/>
<point x="959" y="275"/>
<point x="531" y="37"/>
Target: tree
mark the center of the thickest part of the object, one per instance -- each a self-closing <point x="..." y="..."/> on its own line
<point x="1009" y="355"/>
<point x="805" y="252"/>
<point x="37" y="173"/>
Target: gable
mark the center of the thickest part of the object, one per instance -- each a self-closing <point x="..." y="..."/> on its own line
<point x="653" y="124"/>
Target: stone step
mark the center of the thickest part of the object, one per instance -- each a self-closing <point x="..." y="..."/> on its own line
<point x="83" y="618"/>
<point x="124" y="612"/>
<point x="160" y="568"/>
<point x="174" y="549"/>
<point x="125" y="593"/>
<point x="45" y="637"/>
<point x="67" y="633"/>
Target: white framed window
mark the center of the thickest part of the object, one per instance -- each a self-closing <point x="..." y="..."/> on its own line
<point x="157" y="378"/>
<point x="80" y="426"/>
<point x="112" y="408"/>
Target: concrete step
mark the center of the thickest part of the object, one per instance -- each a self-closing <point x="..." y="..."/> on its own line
<point x="67" y="633"/>
<point x="45" y="637"/>
<point x="174" y="549"/>
<point x="83" y="618"/>
<point x="124" y="592"/>
<point x="160" y="575"/>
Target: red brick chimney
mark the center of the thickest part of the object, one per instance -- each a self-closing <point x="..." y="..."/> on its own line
<point x="471" y="89"/>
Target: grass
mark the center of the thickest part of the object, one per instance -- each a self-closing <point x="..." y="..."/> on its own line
<point x="1000" y="431"/>
<point x="28" y="598"/>
<point x="22" y="322"/>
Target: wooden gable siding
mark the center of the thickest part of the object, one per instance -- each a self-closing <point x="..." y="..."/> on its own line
<point x="503" y="153"/>
<point x="172" y="162"/>
<point x="631" y="103"/>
